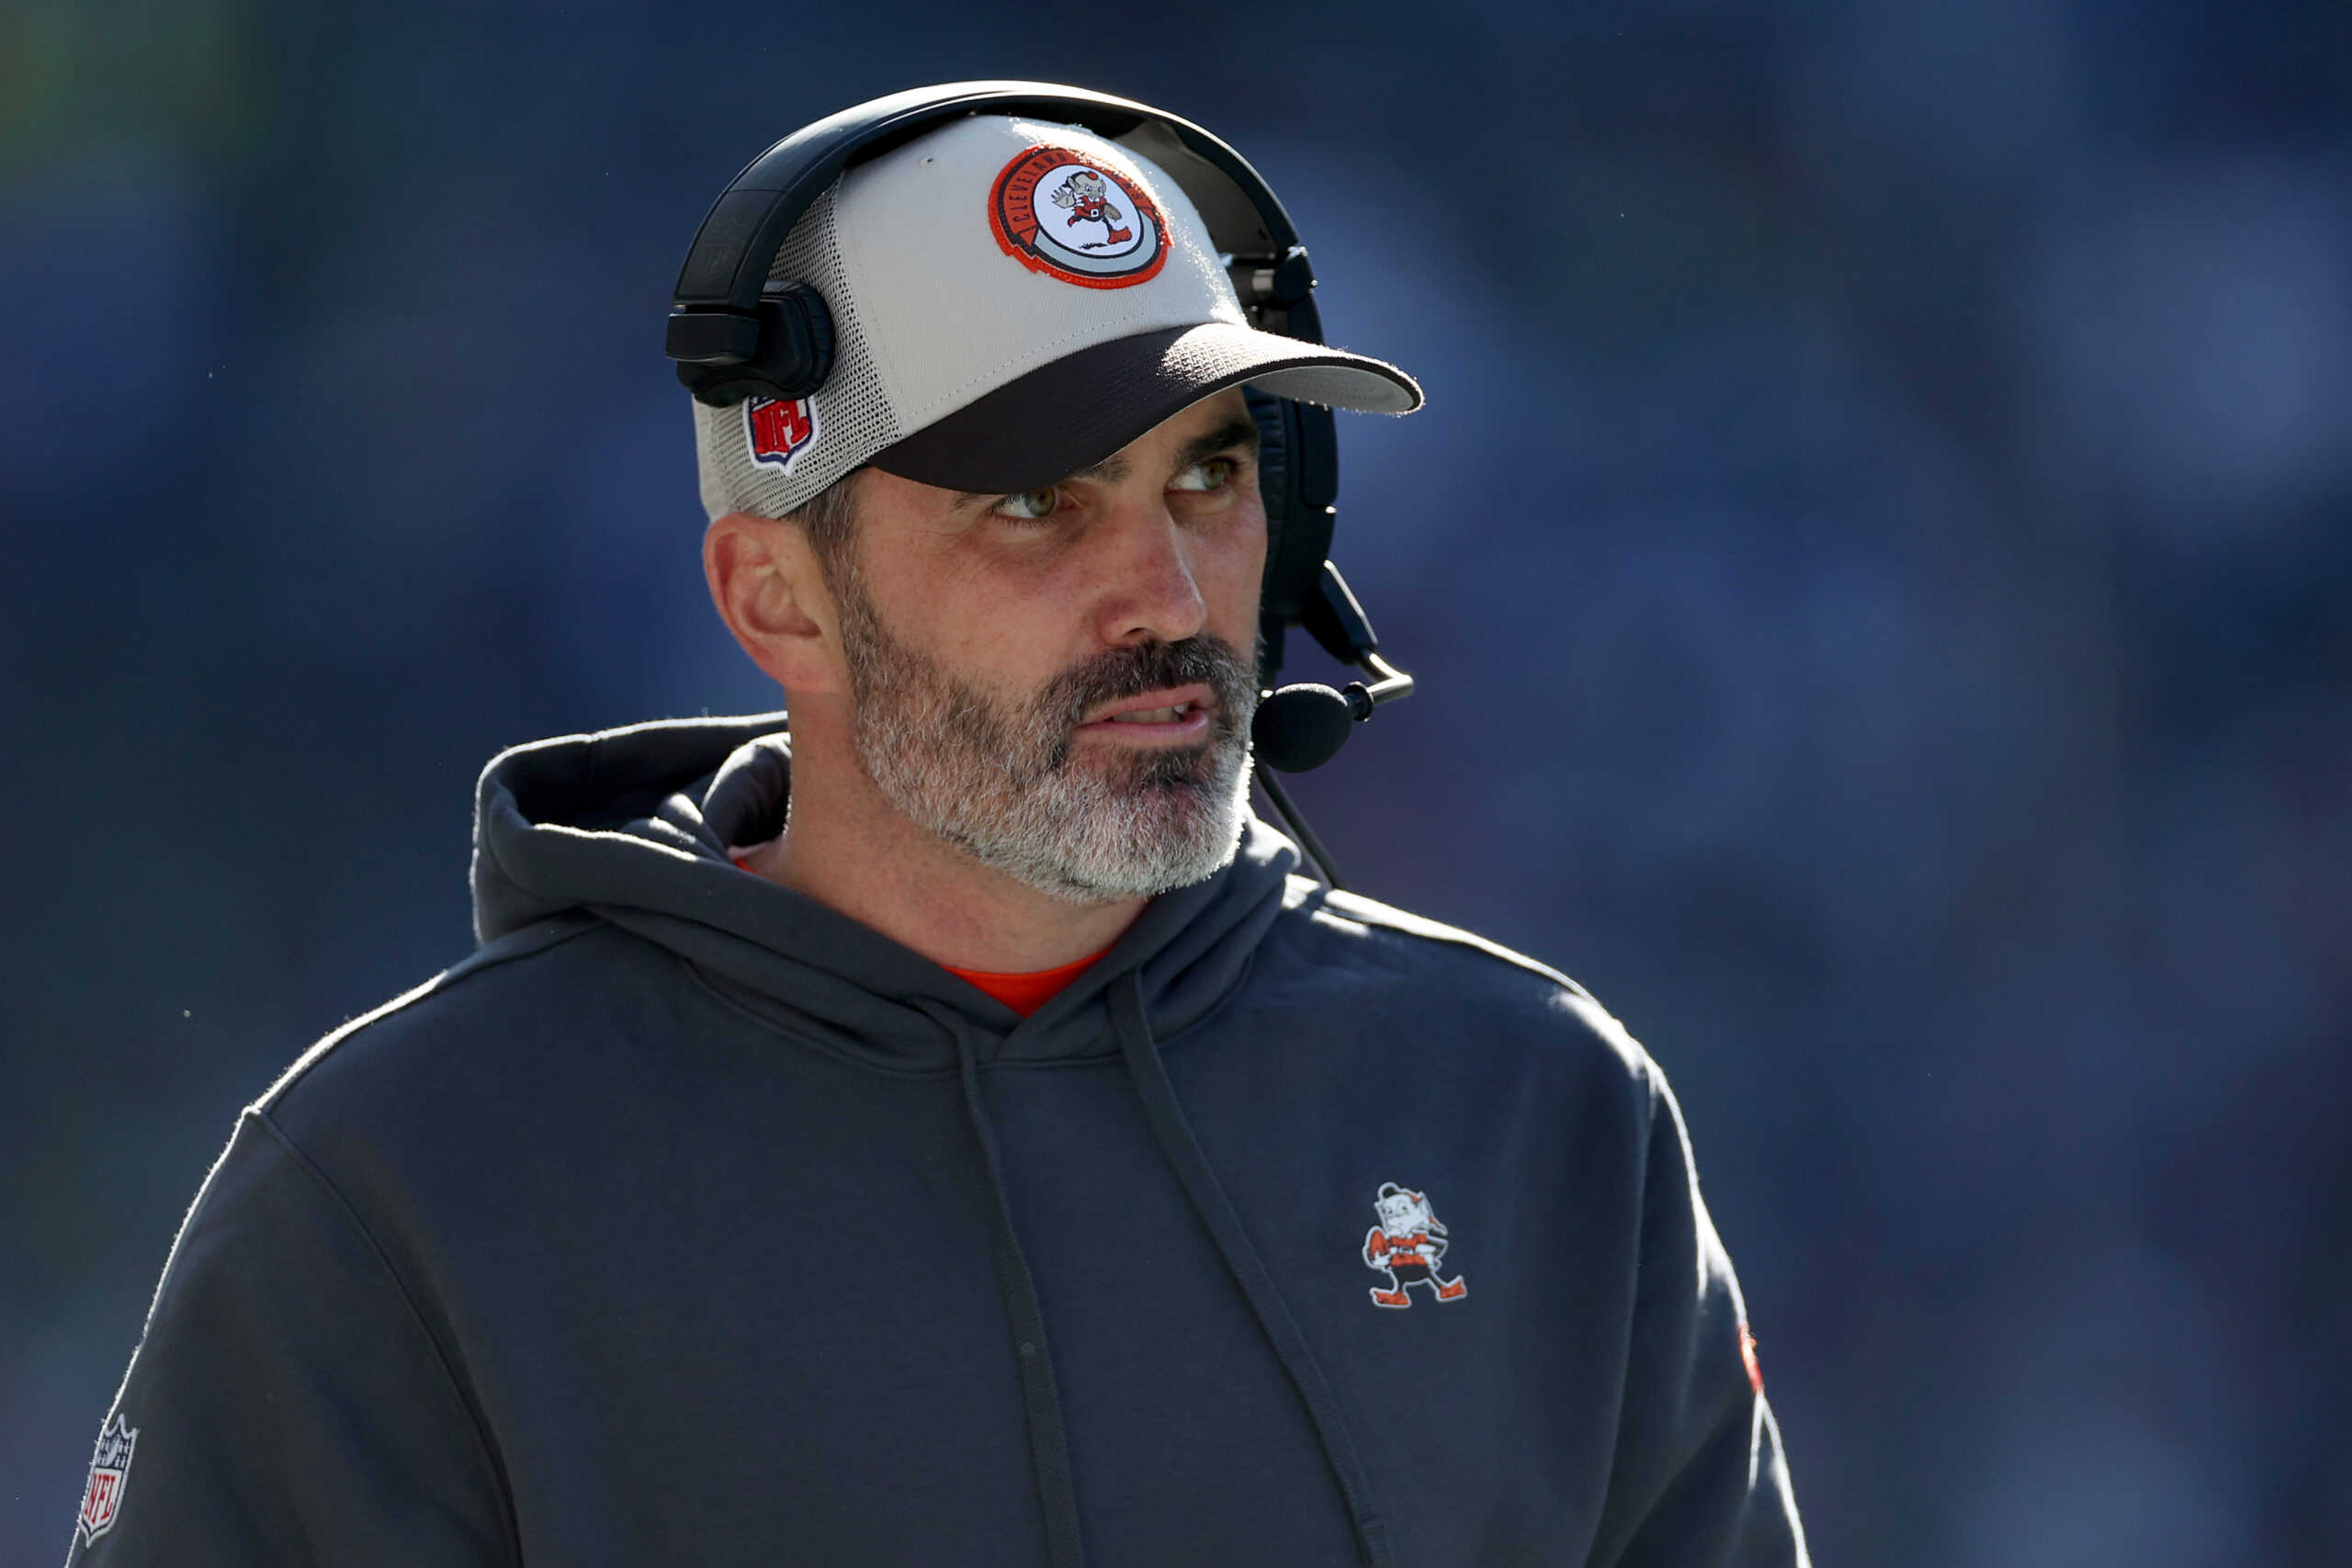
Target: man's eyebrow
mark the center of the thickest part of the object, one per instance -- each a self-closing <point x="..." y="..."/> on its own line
<point x="1234" y="432"/>
<point x="1242" y="433"/>
<point x="1113" y="468"/>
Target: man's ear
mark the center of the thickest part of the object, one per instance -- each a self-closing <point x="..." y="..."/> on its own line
<point x="771" y="593"/>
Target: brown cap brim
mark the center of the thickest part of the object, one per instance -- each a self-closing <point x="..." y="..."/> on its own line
<point x="1042" y="427"/>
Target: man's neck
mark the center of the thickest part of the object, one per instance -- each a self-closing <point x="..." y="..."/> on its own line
<point x="851" y="850"/>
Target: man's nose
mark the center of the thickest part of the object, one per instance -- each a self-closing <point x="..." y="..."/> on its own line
<point x="1150" y="591"/>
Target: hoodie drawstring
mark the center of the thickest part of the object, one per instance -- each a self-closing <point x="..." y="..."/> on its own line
<point x="1182" y="1152"/>
<point x="1048" y="1444"/>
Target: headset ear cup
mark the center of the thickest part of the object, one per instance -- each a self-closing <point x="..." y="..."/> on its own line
<point x="1298" y="474"/>
<point x="789" y="357"/>
<point x="795" y="338"/>
<point x="1274" y="488"/>
<point x="1273" y="466"/>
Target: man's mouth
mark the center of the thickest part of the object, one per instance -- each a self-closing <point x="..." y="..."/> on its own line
<point x="1153" y="716"/>
<point x="1162" y="714"/>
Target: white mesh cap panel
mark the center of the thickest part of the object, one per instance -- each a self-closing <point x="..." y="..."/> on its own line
<point x="853" y="414"/>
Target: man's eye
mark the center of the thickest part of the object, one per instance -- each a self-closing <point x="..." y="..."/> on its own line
<point x="1029" y="504"/>
<point x="1210" y="473"/>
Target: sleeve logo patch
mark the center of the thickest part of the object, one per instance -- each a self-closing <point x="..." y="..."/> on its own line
<point x="1408" y="1246"/>
<point x="1055" y="213"/>
<point x="110" y="1473"/>
<point x="779" y="430"/>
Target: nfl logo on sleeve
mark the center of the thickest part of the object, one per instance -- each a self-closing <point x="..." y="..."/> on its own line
<point x="109" y="1472"/>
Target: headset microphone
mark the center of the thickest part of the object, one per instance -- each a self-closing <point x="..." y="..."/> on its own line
<point x="1302" y="726"/>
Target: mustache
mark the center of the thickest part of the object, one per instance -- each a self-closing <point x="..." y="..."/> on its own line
<point x="1155" y="666"/>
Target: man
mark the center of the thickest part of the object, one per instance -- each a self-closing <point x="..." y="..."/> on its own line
<point x="943" y="1135"/>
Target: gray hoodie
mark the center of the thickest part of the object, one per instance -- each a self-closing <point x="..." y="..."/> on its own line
<point x="690" y="1221"/>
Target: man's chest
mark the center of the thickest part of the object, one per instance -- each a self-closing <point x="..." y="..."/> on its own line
<point x="803" y="1338"/>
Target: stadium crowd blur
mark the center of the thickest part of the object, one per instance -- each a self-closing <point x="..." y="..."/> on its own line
<point x="1877" y="559"/>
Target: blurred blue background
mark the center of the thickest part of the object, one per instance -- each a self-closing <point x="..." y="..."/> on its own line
<point x="1876" y="558"/>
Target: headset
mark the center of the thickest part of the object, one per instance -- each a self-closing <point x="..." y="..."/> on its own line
<point x="734" y="334"/>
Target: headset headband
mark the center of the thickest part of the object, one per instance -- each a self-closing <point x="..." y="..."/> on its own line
<point x="715" y="313"/>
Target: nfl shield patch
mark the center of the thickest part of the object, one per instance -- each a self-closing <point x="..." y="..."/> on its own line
<point x="779" y="430"/>
<point x="109" y="1472"/>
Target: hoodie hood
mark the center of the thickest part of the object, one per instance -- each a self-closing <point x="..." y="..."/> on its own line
<point x="633" y="826"/>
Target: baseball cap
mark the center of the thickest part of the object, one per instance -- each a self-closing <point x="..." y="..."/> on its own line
<point x="1012" y="301"/>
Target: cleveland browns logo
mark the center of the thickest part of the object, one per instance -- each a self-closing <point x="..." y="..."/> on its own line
<point x="1058" y="213"/>
<point x="1408" y="1246"/>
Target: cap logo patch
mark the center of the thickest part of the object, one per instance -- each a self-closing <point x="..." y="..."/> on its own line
<point x="778" y="430"/>
<point x="110" y="1473"/>
<point x="1055" y="213"/>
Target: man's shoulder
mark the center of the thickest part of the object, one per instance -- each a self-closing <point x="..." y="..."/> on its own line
<point x="1388" y="961"/>
<point x="471" y="1040"/>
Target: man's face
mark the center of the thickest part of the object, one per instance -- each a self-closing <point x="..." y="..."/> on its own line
<point x="1060" y="684"/>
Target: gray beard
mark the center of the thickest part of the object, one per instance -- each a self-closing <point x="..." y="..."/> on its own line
<point x="998" y="781"/>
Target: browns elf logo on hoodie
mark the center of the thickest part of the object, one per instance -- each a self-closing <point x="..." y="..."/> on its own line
<point x="1408" y="1246"/>
<point x="1057" y="212"/>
